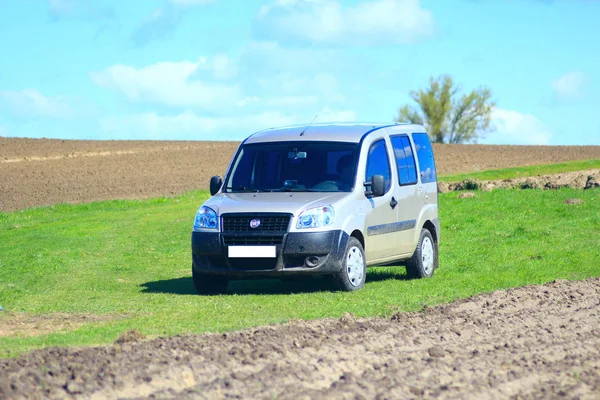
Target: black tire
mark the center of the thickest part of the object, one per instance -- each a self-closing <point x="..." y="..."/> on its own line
<point x="424" y="261"/>
<point x="209" y="284"/>
<point x="352" y="276"/>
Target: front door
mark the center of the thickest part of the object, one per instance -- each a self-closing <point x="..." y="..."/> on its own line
<point x="381" y="217"/>
<point x="408" y="193"/>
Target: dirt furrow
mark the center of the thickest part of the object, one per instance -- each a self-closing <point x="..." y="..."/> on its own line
<point x="530" y="342"/>
<point x="588" y="179"/>
<point x="39" y="172"/>
<point x="95" y="154"/>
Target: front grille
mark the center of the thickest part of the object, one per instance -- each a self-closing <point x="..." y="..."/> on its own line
<point x="253" y="264"/>
<point x="239" y="240"/>
<point x="271" y="222"/>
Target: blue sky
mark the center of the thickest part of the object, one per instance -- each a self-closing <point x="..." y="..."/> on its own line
<point x="222" y="69"/>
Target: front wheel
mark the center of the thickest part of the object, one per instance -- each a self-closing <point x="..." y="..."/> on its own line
<point x="353" y="274"/>
<point x="209" y="284"/>
<point x="425" y="258"/>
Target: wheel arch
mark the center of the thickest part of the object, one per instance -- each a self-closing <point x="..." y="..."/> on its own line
<point x="359" y="236"/>
<point x="432" y="229"/>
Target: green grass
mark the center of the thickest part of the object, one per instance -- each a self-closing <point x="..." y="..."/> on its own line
<point x="523" y="172"/>
<point x="132" y="258"/>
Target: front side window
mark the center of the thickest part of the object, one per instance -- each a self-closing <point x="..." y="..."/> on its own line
<point x="425" y="157"/>
<point x="294" y="166"/>
<point x="378" y="163"/>
<point x="405" y="160"/>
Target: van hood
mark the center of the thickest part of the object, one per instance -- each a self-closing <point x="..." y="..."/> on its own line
<point x="282" y="202"/>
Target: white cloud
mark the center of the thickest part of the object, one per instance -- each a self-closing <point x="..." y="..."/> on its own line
<point x="157" y="25"/>
<point x="289" y="89"/>
<point x="292" y="101"/>
<point x="163" y="20"/>
<point x="222" y="66"/>
<point x="30" y="102"/>
<point x="328" y="21"/>
<point x="570" y="86"/>
<point x="190" y="3"/>
<point x="328" y="115"/>
<point x="174" y="84"/>
<point x="61" y="6"/>
<point x="516" y="128"/>
<point x="189" y="125"/>
<point x="2" y="131"/>
<point x="295" y="76"/>
<point x="95" y="10"/>
<point x="263" y="85"/>
<point x="247" y="101"/>
<point x="208" y="84"/>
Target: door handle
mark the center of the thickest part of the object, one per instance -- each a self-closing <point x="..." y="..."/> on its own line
<point x="393" y="203"/>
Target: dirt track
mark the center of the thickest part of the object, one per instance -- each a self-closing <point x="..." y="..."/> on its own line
<point x="531" y="342"/>
<point x="35" y="172"/>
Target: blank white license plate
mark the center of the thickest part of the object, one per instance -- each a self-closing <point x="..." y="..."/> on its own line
<point x="252" y="252"/>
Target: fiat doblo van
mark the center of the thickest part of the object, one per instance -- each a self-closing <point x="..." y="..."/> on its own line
<point x="327" y="199"/>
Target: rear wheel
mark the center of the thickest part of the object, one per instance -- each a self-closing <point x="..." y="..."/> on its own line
<point x="353" y="274"/>
<point x="209" y="284"/>
<point x="425" y="258"/>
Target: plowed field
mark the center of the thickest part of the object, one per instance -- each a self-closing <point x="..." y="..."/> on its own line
<point x="36" y="172"/>
<point x="527" y="343"/>
<point x="531" y="342"/>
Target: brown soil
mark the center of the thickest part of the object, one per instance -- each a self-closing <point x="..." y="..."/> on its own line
<point x="466" y="195"/>
<point x="577" y="180"/>
<point x="573" y="201"/>
<point x="36" y="172"/>
<point x="456" y="158"/>
<point x="530" y="342"/>
<point x="131" y="336"/>
<point x="25" y="325"/>
<point x="132" y="171"/>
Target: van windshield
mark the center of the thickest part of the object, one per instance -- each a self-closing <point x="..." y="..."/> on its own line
<point x="294" y="167"/>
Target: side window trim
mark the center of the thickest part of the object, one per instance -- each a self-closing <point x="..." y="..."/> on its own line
<point x="412" y="148"/>
<point x="414" y="161"/>
<point x="418" y="159"/>
<point x="389" y="164"/>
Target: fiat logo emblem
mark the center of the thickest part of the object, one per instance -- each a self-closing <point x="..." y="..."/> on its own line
<point x="255" y="223"/>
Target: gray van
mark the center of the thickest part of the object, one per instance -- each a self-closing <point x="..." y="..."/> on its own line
<point x="327" y="199"/>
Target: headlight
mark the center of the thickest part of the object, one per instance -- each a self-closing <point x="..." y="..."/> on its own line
<point x="206" y="218"/>
<point x="316" y="218"/>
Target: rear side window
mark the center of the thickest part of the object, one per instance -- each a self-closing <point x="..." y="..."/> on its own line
<point x="378" y="163"/>
<point x="405" y="160"/>
<point x="425" y="157"/>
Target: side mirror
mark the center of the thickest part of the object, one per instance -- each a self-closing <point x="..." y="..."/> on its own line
<point x="375" y="188"/>
<point x="378" y="185"/>
<point x="215" y="184"/>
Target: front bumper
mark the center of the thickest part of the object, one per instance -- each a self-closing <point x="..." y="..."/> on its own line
<point x="299" y="253"/>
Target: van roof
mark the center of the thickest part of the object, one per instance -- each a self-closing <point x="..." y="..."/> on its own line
<point x="334" y="132"/>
